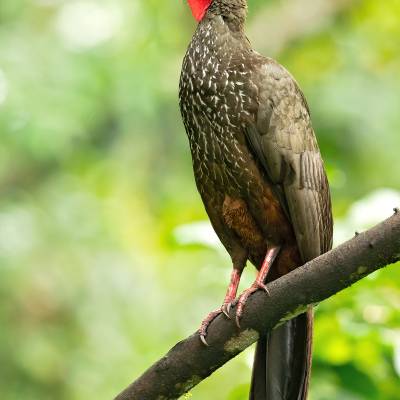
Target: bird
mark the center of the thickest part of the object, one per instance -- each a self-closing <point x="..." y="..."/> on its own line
<point x="261" y="177"/>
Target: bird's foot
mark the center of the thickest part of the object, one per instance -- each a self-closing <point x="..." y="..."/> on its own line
<point x="258" y="283"/>
<point x="226" y="307"/>
<point x="210" y="317"/>
<point x="245" y="295"/>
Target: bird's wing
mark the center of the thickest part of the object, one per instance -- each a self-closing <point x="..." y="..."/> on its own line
<point x="283" y="140"/>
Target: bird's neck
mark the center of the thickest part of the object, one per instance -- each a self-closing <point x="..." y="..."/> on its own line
<point x="233" y="12"/>
<point x="215" y="36"/>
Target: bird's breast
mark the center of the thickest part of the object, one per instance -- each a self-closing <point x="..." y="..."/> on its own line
<point x="217" y="101"/>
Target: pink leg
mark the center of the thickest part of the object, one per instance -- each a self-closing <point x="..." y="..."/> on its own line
<point x="259" y="283"/>
<point x="229" y="298"/>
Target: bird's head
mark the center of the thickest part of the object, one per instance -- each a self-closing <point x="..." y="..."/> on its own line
<point x="232" y="10"/>
<point x="199" y="8"/>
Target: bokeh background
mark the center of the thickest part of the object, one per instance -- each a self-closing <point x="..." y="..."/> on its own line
<point x="106" y="255"/>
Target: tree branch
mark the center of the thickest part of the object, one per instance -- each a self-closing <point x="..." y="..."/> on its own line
<point x="189" y="361"/>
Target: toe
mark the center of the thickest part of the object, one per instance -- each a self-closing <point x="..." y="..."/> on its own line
<point x="263" y="287"/>
<point x="226" y="308"/>
<point x="206" y="323"/>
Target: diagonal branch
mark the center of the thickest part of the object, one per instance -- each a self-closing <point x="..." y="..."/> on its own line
<point x="189" y="361"/>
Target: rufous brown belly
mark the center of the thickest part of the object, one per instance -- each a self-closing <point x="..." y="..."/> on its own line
<point x="276" y="231"/>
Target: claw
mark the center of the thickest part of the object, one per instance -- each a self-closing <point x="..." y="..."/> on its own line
<point x="237" y="319"/>
<point x="226" y="308"/>
<point x="225" y="311"/>
<point x="203" y="340"/>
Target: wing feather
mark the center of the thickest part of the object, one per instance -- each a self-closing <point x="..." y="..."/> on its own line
<point x="284" y="142"/>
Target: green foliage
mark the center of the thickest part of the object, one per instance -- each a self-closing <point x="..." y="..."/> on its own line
<point x="95" y="177"/>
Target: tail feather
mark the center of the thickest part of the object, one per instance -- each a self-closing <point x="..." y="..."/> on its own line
<point x="282" y="361"/>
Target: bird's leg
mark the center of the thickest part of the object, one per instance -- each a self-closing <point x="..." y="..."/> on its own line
<point x="229" y="298"/>
<point x="259" y="283"/>
<point x="231" y="291"/>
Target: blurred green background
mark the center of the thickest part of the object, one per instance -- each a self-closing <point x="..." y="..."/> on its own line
<point x="106" y="255"/>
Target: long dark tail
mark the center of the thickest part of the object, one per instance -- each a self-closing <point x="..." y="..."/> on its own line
<point x="282" y="361"/>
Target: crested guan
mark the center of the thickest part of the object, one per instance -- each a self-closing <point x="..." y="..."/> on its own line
<point x="260" y="175"/>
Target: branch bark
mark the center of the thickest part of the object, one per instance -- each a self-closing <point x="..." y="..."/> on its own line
<point x="189" y="361"/>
